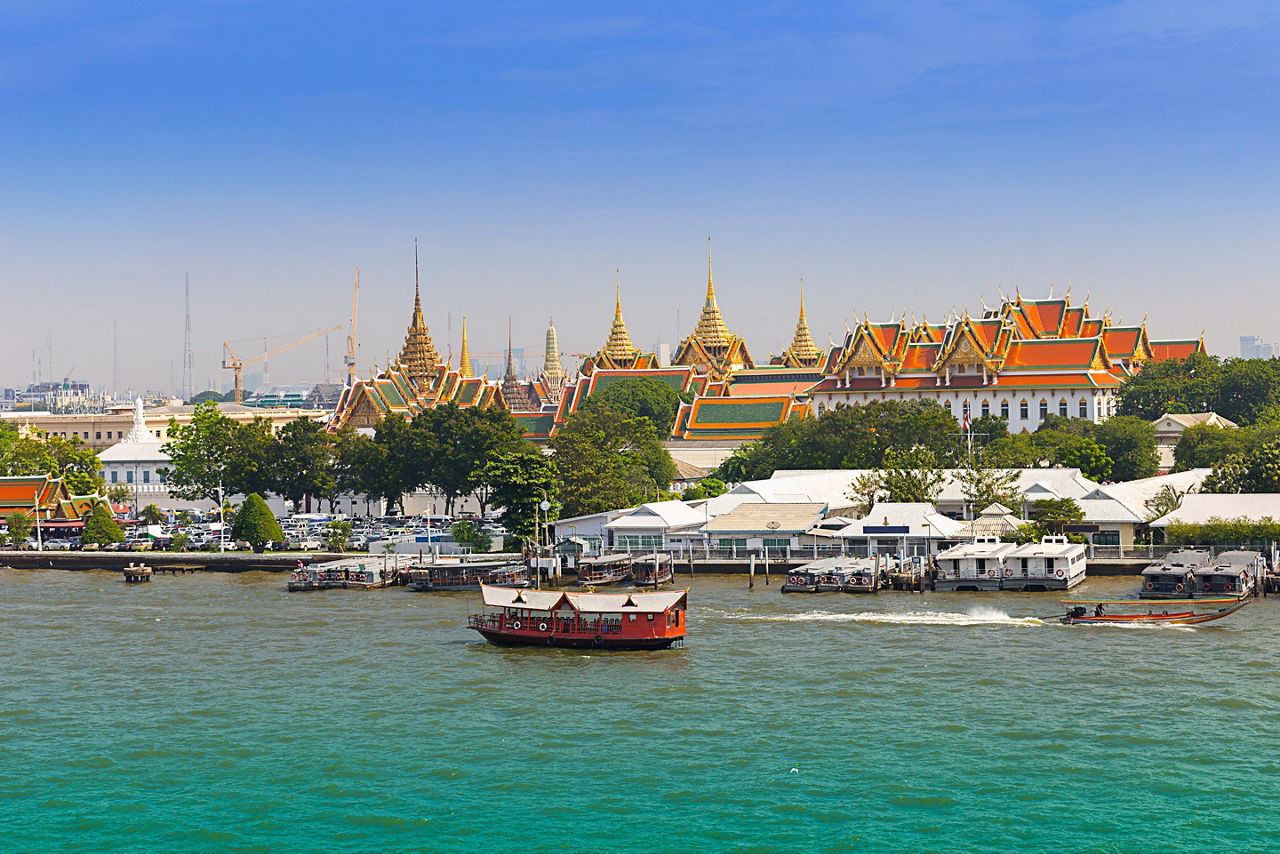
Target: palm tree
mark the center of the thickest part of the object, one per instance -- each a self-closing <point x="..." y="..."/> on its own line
<point x="152" y="515"/>
<point x="1164" y="502"/>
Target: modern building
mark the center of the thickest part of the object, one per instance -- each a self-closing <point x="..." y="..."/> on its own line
<point x="1253" y="347"/>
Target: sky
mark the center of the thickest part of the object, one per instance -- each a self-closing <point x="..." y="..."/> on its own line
<point x="898" y="155"/>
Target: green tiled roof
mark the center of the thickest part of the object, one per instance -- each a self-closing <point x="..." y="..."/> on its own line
<point x="730" y="411"/>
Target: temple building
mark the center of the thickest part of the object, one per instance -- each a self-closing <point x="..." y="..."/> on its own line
<point x="802" y="353"/>
<point x="1021" y="361"/>
<point x="712" y="348"/>
<point x="418" y="358"/>
<point x="618" y="353"/>
<point x="550" y="383"/>
<point x="514" y="393"/>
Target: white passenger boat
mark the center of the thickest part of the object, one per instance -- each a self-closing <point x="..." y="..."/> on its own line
<point x="974" y="566"/>
<point x="1054" y="563"/>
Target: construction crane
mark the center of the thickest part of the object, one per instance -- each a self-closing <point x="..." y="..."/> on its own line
<point x="232" y="362"/>
<point x="350" y="358"/>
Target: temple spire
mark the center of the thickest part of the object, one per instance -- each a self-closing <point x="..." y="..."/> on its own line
<point x="511" y="368"/>
<point x="802" y="347"/>
<point x="619" y="347"/>
<point x="711" y="330"/>
<point x="552" y="373"/>
<point x="418" y="357"/>
<point x="464" y="362"/>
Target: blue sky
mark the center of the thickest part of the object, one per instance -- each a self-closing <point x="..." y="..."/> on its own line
<point x="893" y="154"/>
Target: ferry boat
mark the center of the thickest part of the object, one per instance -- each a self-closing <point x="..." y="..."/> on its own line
<point x="802" y="579"/>
<point x="348" y="573"/>
<point x="1175" y="576"/>
<point x="1098" y="611"/>
<point x="833" y="579"/>
<point x="1054" y="563"/>
<point x="456" y="577"/>
<point x="863" y="577"/>
<point x="1231" y="574"/>
<point x="973" y="566"/>
<point x="607" y="569"/>
<point x="613" y="621"/>
<point x="652" y="570"/>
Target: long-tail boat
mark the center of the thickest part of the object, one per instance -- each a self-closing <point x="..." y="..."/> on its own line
<point x="638" y="620"/>
<point x="1171" y="611"/>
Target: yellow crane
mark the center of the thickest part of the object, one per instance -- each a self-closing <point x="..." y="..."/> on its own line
<point x="232" y="362"/>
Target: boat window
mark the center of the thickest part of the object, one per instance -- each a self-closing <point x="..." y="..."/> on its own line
<point x="650" y="618"/>
<point x="982" y="563"/>
<point x="633" y="617"/>
<point x="1024" y="563"/>
<point x="1048" y="563"/>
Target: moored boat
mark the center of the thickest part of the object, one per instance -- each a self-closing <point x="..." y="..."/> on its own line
<point x="1099" y="611"/>
<point x="1175" y="576"/>
<point x="802" y="579"/>
<point x="1054" y="563"/>
<point x="652" y="570"/>
<point x="458" y="577"/>
<point x="613" y="621"/>
<point x="975" y="566"/>
<point x="863" y="577"/>
<point x="607" y="569"/>
<point x="1231" y="574"/>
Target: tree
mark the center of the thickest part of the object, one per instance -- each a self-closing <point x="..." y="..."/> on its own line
<point x="70" y="459"/>
<point x="19" y="526"/>
<point x="465" y="533"/>
<point x="303" y="462"/>
<point x="453" y="444"/>
<point x="1053" y="513"/>
<point x="118" y="493"/>
<point x="256" y="524"/>
<point x="200" y="453"/>
<point x="522" y="477"/>
<point x="913" y="476"/>
<point x="1208" y="445"/>
<point x="983" y="487"/>
<point x="1131" y="444"/>
<point x="1164" y="502"/>
<point x="1087" y="455"/>
<point x="152" y="515"/>
<point x="336" y="535"/>
<point x="639" y="397"/>
<point x="351" y="459"/>
<point x="100" y="527"/>
<point x="605" y="460"/>
<point x="389" y="462"/>
<point x="707" y="487"/>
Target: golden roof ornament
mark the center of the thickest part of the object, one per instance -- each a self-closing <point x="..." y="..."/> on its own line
<point x="619" y="347"/>
<point x="464" y="362"/>
<point x="802" y="346"/>
<point x="711" y="330"/>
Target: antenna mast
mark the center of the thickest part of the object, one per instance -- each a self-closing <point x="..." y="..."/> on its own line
<point x="188" y="359"/>
<point x="350" y="358"/>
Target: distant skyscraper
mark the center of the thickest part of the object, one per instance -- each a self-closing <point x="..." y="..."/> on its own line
<point x="1253" y="347"/>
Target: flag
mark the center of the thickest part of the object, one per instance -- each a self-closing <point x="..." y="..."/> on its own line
<point x="965" y="423"/>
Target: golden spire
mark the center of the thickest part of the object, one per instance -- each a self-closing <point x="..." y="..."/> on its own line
<point x="711" y="330"/>
<point x="418" y="356"/>
<point x="464" y="362"/>
<point x="619" y="347"/>
<point x="802" y="347"/>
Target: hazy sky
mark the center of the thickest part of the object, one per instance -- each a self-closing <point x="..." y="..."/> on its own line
<point x="893" y="154"/>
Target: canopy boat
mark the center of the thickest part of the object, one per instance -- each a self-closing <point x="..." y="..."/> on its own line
<point x="1231" y="574"/>
<point x="652" y="569"/>
<point x="975" y="566"/>
<point x="802" y="579"/>
<point x="608" y="569"/>
<point x="1094" y="611"/>
<point x="863" y="577"/>
<point x="1054" y="563"/>
<point x="1175" y="576"/>
<point x="347" y="573"/>
<point x="637" y="620"/>
<point x="451" y="577"/>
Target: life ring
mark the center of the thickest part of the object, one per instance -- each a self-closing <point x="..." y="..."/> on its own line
<point x="1206" y="587"/>
<point x="1008" y="573"/>
<point x="1148" y="586"/>
<point x="1059" y="573"/>
<point x="1227" y="587"/>
<point x="1178" y="588"/>
<point x="597" y="641"/>
<point x="516" y="624"/>
<point x="991" y="573"/>
<point x="542" y="627"/>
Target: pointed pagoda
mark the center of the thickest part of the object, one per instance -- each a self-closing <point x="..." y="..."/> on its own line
<point x="552" y="378"/>
<point x="618" y="353"/>
<point x="465" y="370"/>
<point x="803" y="352"/>
<point x="712" y="348"/>
<point x="514" y="393"/>
<point x="418" y="358"/>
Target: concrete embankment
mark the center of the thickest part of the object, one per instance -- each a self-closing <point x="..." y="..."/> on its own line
<point x="165" y="561"/>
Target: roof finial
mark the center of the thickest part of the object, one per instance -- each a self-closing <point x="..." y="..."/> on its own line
<point x="415" y="273"/>
<point x="464" y="361"/>
<point x="711" y="291"/>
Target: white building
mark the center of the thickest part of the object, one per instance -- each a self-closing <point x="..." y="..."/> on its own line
<point x="136" y="461"/>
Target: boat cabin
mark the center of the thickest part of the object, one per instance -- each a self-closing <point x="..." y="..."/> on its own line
<point x="1175" y="577"/>
<point x="637" y="620"/>
<point x="1235" y="574"/>
<point x="652" y="569"/>
<point x="973" y="566"/>
<point x="1054" y="563"/>
<point x="863" y="577"/>
<point x="804" y="579"/>
<point x="606" y="569"/>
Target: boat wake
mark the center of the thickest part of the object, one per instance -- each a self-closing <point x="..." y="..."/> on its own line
<point x="973" y="617"/>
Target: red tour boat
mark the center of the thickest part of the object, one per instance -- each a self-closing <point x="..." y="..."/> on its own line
<point x="648" y="620"/>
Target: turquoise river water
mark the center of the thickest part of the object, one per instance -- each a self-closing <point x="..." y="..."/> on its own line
<point x="218" y="712"/>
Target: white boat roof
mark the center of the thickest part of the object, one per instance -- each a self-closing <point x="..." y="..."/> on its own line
<point x="655" y="602"/>
<point x="1049" y="549"/>
<point x="978" y="549"/>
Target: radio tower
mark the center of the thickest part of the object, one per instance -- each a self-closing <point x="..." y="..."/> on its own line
<point x="188" y="359"/>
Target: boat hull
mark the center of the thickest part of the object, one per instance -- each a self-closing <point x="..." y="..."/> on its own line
<point x="574" y="641"/>
<point x="970" y="585"/>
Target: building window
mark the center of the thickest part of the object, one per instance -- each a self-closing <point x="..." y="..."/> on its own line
<point x="776" y="543"/>
<point x="1022" y="411"/>
<point x="1004" y="409"/>
<point x="947" y="404"/>
<point x="1084" y="409"/>
<point x="1106" y="538"/>
<point x="98" y="435"/>
<point x="114" y="475"/>
<point x="160" y="474"/>
<point x="1044" y="408"/>
<point x="146" y="476"/>
<point x="1062" y="407"/>
<point x="128" y="477"/>
<point x="986" y="409"/>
